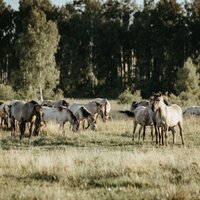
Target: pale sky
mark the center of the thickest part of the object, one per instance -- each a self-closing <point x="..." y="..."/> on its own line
<point x="15" y="3"/>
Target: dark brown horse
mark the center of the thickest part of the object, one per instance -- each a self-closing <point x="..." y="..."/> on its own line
<point x="24" y="112"/>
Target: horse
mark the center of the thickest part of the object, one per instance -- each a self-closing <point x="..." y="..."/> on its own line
<point x="4" y="114"/>
<point x="60" y="115"/>
<point x="24" y="112"/>
<point x="52" y="103"/>
<point x="93" y="107"/>
<point x="82" y="114"/>
<point x="192" y="110"/>
<point x="135" y="104"/>
<point x="106" y="107"/>
<point x="143" y="116"/>
<point x="166" y="117"/>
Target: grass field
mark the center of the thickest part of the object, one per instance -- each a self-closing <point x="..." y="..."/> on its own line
<point x="100" y="165"/>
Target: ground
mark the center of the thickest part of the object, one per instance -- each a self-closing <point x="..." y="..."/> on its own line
<point x="105" y="164"/>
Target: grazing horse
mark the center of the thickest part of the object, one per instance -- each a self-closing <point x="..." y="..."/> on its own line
<point x="166" y="118"/>
<point x="106" y="107"/>
<point x="52" y="103"/>
<point x="24" y="112"/>
<point x="192" y="110"/>
<point x="92" y="107"/>
<point x="82" y="114"/>
<point x="4" y="114"/>
<point x="61" y="115"/>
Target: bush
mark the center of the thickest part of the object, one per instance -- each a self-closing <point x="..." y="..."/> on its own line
<point x="6" y="92"/>
<point x="127" y="97"/>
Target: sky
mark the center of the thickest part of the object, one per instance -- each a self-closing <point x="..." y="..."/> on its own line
<point x="15" y="3"/>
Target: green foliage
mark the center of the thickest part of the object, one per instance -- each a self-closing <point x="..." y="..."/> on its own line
<point x="35" y="48"/>
<point x="6" y="92"/>
<point x="127" y="97"/>
<point x="188" y="79"/>
<point x="187" y="84"/>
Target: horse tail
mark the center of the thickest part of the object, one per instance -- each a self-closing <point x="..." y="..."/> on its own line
<point x="127" y="112"/>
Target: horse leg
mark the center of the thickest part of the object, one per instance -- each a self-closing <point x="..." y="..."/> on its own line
<point x="166" y="135"/>
<point x="162" y="135"/>
<point x="62" y="127"/>
<point x="156" y="132"/>
<point x="140" y="132"/>
<point x="181" y="132"/>
<point x="134" y="129"/>
<point x="151" y="132"/>
<point x="12" y="124"/>
<point x="30" y="129"/>
<point x="22" y="129"/>
<point x="173" y="134"/>
<point x="144" y="130"/>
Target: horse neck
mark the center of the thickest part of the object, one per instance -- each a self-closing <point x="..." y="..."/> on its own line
<point x="69" y="117"/>
<point x="162" y="110"/>
<point x="90" y="119"/>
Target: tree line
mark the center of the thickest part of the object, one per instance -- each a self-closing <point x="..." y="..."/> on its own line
<point x="90" y="48"/>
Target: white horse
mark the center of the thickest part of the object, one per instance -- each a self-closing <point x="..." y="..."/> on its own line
<point x="82" y="114"/>
<point x="166" y="118"/>
<point x="60" y="115"/>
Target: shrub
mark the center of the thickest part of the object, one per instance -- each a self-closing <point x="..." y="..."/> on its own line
<point x="127" y="97"/>
<point x="6" y="92"/>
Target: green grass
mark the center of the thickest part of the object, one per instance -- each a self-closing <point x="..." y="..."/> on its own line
<point x="105" y="164"/>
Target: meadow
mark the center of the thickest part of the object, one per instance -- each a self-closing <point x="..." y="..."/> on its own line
<point x="105" y="164"/>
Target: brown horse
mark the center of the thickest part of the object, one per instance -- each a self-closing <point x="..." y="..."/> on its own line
<point x="24" y="112"/>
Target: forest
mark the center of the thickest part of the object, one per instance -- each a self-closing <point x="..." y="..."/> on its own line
<point x="90" y="48"/>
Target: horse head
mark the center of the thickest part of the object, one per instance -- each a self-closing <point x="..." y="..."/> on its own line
<point x="73" y="120"/>
<point x="37" y="113"/>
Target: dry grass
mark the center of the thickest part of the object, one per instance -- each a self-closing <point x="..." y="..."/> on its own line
<point x="100" y="165"/>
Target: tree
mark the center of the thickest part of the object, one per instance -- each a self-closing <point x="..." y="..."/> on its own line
<point x="36" y="47"/>
<point x="187" y="83"/>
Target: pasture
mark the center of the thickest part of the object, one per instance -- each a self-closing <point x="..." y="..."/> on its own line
<point x="105" y="164"/>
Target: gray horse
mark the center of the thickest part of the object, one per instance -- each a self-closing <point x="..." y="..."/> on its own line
<point x="60" y="115"/>
<point x="24" y="112"/>
<point x="56" y="104"/>
<point x="82" y="114"/>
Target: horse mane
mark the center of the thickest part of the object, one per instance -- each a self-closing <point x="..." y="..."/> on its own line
<point x="33" y="102"/>
<point x="72" y="115"/>
<point x="65" y="103"/>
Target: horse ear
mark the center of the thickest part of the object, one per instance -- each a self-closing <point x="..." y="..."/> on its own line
<point x="160" y="93"/>
<point x="64" y="103"/>
<point x="134" y="102"/>
<point x="98" y="104"/>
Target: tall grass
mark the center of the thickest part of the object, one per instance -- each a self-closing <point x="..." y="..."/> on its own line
<point x="100" y="165"/>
